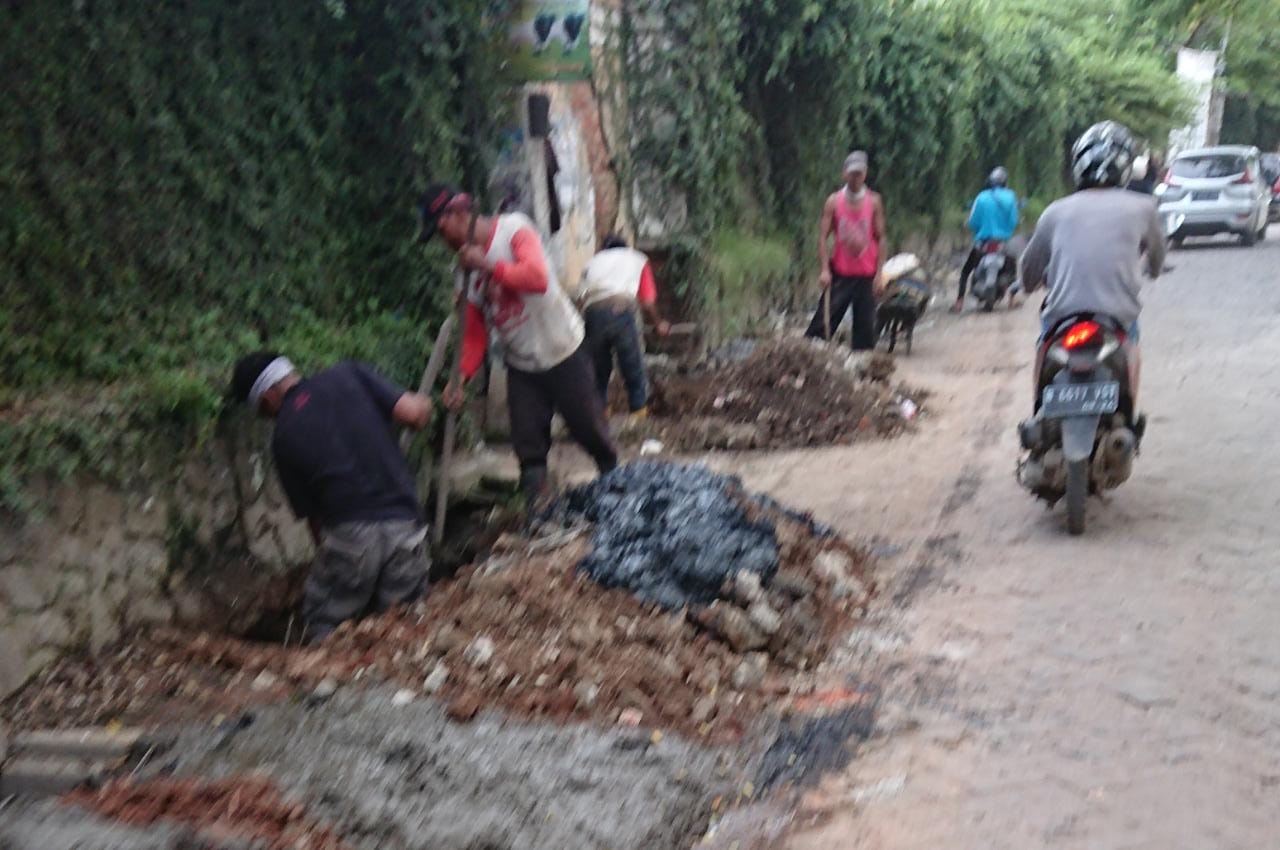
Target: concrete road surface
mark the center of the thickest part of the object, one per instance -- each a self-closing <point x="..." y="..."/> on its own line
<point x="1116" y="691"/>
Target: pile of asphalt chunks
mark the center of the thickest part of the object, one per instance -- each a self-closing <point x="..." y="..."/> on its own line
<point x="671" y="535"/>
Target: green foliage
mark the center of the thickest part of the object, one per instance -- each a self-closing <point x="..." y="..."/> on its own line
<point x="688" y="125"/>
<point x="938" y="93"/>
<point x="197" y="178"/>
<point x="1248" y="31"/>
<point x="54" y="443"/>
<point x="742" y="270"/>
<point x="216" y="162"/>
<point x="1247" y="121"/>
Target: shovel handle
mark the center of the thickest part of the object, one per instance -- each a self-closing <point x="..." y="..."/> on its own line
<point x="451" y="419"/>
<point x="434" y="364"/>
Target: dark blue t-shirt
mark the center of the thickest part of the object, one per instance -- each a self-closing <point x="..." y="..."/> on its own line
<point x="336" y="451"/>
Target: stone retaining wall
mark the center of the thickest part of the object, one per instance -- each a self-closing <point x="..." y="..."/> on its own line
<point x="211" y="544"/>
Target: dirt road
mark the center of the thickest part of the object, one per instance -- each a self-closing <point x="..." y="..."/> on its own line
<point x="1120" y="690"/>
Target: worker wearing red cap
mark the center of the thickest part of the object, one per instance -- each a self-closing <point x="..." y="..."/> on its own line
<point x="515" y="294"/>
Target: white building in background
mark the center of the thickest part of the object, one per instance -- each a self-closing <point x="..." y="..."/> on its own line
<point x="1198" y="69"/>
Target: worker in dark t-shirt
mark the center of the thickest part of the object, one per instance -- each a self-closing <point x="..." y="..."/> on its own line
<point x="342" y="470"/>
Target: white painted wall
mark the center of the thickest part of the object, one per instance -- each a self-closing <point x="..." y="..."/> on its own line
<point x="1197" y="69"/>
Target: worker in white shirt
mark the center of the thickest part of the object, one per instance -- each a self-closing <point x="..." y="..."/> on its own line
<point x="615" y="281"/>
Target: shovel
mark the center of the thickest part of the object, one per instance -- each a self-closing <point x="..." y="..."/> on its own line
<point x="451" y="419"/>
<point x="434" y="364"/>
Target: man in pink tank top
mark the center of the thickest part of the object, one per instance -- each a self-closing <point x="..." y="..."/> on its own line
<point x="854" y="216"/>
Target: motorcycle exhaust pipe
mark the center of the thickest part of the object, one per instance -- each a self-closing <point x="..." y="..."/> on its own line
<point x="1031" y="434"/>
<point x="1113" y="464"/>
<point x="1031" y="474"/>
<point x="1044" y="472"/>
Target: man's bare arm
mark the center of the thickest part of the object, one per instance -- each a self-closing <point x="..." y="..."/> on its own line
<point x="825" y="227"/>
<point x="1035" y="260"/>
<point x="880" y="229"/>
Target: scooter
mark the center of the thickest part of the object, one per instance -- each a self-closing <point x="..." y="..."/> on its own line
<point x="995" y="274"/>
<point x="1084" y="435"/>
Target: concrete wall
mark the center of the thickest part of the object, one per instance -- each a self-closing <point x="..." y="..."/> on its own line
<point x="587" y="133"/>
<point x="1198" y="69"/>
<point x="582" y="185"/>
<point x="214" y="545"/>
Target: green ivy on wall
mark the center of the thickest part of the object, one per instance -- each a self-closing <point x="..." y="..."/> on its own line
<point x="186" y="180"/>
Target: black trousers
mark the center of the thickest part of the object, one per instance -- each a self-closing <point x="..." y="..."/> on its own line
<point x="849" y="293"/>
<point x="970" y="266"/>
<point x="612" y="333"/>
<point x="533" y="398"/>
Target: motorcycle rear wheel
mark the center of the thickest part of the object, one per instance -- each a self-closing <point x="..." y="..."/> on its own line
<point x="1077" y="492"/>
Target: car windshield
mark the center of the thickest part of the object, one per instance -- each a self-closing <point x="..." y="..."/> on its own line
<point x="1210" y="165"/>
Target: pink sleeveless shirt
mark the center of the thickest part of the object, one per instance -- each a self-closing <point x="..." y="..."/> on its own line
<point x="857" y="251"/>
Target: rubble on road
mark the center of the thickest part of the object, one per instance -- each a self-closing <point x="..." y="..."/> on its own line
<point x="784" y="393"/>
<point x="246" y="808"/>
<point x="669" y="534"/>
<point x="720" y="603"/>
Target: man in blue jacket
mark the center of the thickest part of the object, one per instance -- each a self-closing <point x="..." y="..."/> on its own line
<point x="994" y="217"/>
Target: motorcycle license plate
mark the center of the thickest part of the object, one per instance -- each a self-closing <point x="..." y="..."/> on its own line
<point x="1204" y="195"/>
<point x="1060" y="400"/>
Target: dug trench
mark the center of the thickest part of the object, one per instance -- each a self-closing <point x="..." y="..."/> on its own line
<point x="551" y="693"/>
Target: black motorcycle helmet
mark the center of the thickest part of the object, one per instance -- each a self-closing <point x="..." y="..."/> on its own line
<point x="1103" y="156"/>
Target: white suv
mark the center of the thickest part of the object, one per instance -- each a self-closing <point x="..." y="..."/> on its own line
<point x="1217" y="190"/>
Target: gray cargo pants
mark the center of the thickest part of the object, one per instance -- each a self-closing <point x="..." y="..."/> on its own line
<point x="364" y="568"/>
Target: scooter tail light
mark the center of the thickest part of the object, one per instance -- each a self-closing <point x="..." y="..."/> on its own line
<point x="1244" y="179"/>
<point x="1080" y="334"/>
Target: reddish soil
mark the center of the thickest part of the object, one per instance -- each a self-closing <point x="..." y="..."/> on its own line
<point x="563" y="648"/>
<point x="240" y="808"/>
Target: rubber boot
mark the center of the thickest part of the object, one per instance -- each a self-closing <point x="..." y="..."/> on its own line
<point x="533" y="483"/>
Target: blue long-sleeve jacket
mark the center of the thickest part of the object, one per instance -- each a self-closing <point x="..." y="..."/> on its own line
<point x="994" y="215"/>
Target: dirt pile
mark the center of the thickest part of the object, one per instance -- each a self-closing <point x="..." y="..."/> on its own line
<point x="788" y="393"/>
<point x="226" y="812"/>
<point x="528" y="630"/>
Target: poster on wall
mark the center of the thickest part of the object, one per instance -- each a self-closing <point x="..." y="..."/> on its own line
<point x="549" y="41"/>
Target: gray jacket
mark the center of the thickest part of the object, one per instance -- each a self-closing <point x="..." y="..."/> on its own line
<point x="1089" y="249"/>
